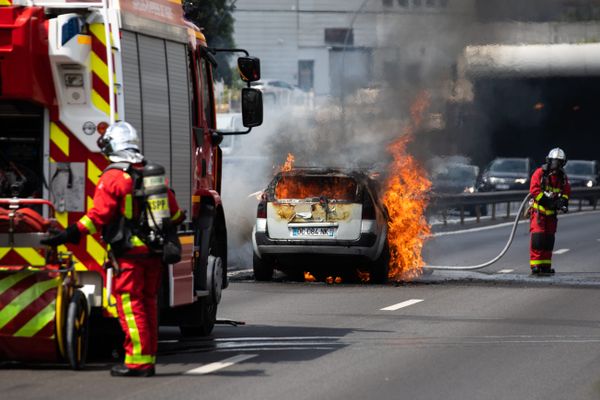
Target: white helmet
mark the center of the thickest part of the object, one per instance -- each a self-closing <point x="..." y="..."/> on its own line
<point x="121" y="143"/>
<point x="559" y="155"/>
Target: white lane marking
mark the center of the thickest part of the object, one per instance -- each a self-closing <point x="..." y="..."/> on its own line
<point x="401" y="305"/>
<point x="212" y="367"/>
<point x="561" y="251"/>
<point x="505" y="271"/>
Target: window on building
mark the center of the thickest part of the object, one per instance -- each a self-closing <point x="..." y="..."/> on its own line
<point x="340" y="36"/>
<point x="403" y="3"/>
<point x="388" y="3"/>
<point x="306" y="74"/>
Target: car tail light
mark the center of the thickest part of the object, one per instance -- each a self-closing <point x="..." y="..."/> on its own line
<point x="261" y="210"/>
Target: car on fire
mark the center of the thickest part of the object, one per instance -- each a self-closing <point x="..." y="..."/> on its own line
<point x="322" y="218"/>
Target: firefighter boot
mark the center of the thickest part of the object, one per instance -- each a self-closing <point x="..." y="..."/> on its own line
<point x="535" y="270"/>
<point x="122" y="370"/>
<point x="547" y="270"/>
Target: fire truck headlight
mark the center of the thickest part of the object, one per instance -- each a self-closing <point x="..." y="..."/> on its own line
<point x="74" y="80"/>
<point x="589" y="183"/>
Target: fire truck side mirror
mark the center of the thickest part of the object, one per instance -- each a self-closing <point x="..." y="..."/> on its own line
<point x="252" y="107"/>
<point x="249" y="68"/>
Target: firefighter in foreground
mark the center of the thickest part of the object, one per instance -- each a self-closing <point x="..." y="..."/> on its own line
<point x="550" y="192"/>
<point x="137" y="214"/>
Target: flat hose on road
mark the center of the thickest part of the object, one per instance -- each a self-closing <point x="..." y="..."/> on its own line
<point x="495" y="259"/>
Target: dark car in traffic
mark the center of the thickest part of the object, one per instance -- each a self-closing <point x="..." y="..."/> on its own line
<point x="506" y="173"/>
<point x="582" y="173"/>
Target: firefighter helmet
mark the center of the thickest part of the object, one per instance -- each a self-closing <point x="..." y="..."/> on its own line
<point x="556" y="158"/>
<point x="121" y="143"/>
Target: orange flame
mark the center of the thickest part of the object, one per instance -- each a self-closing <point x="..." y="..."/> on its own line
<point x="308" y="277"/>
<point x="303" y="187"/>
<point x="405" y="199"/>
<point x="289" y="163"/>
<point x="363" y="276"/>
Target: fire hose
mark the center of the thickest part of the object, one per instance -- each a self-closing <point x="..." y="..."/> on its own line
<point x="495" y="259"/>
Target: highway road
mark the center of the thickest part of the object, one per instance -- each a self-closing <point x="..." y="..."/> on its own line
<point x="484" y="335"/>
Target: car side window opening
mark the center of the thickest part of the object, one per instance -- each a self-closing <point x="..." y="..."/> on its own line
<point x="206" y="88"/>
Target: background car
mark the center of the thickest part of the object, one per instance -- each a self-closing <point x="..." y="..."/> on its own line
<point x="583" y="173"/>
<point x="506" y="174"/>
<point x="276" y="91"/>
<point x="229" y="122"/>
<point x="314" y="217"/>
<point x="448" y="177"/>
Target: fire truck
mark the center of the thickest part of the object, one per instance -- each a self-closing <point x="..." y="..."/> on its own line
<point x="68" y="69"/>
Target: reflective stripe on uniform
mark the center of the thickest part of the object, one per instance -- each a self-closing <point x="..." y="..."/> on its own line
<point x="134" y="332"/>
<point x="136" y="241"/>
<point x="539" y="197"/>
<point x="128" y="212"/>
<point x="565" y="196"/>
<point x="542" y="209"/>
<point x="141" y="359"/>
<point x="552" y="189"/>
<point x="89" y="224"/>
<point x="540" y="262"/>
<point x="176" y="216"/>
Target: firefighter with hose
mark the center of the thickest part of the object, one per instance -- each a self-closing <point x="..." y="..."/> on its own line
<point x="550" y="192"/>
<point x="137" y="215"/>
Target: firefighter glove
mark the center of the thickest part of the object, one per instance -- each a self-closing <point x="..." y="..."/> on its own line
<point x="562" y="204"/>
<point x="69" y="235"/>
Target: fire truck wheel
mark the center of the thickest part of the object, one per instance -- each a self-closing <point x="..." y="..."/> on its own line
<point x="381" y="267"/>
<point x="205" y="315"/>
<point x="263" y="268"/>
<point x="76" y="328"/>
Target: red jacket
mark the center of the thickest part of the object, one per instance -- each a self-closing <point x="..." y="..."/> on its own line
<point x="114" y="197"/>
<point x="557" y="184"/>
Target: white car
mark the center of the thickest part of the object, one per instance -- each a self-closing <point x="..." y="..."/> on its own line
<point x="229" y="122"/>
<point x="317" y="217"/>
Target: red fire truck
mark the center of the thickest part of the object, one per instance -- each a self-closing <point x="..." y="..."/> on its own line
<point x="67" y="70"/>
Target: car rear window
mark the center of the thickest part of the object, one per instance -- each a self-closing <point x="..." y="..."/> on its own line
<point x="310" y="187"/>
<point x="509" y="166"/>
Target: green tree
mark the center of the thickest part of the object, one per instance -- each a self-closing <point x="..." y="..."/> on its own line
<point x="216" y="20"/>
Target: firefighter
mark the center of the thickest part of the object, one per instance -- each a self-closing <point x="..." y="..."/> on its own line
<point x="118" y="211"/>
<point x="550" y="192"/>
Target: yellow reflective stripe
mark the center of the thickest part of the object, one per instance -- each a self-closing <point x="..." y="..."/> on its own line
<point x="136" y="241"/>
<point x="128" y="206"/>
<point x="565" y="196"/>
<point x="99" y="67"/>
<point x="4" y="251"/>
<point x="139" y="359"/>
<point x="540" y="262"/>
<point x="62" y="218"/>
<point x="134" y="333"/>
<point x="552" y="189"/>
<point x="60" y="139"/>
<point x="542" y="209"/>
<point x="539" y="197"/>
<point x="93" y="172"/>
<point x="12" y="280"/>
<point x="89" y="224"/>
<point x="99" y="102"/>
<point x="5" y="3"/>
<point x="95" y="250"/>
<point x="31" y="256"/>
<point x="24" y="299"/>
<point x="38" y="322"/>
<point x="176" y="216"/>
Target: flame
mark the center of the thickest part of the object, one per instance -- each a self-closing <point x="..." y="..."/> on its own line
<point x="289" y="163"/>
<point x="363" y="276"/>
<point x="330" y="280"/>
<point x="405" y="199"/>
<point x="308" y="277"/>
<point x="304" y="187"/>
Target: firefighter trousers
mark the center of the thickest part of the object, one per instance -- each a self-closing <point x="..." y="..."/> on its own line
<point x="136" y="291"/>
<point x="542" y="229"/>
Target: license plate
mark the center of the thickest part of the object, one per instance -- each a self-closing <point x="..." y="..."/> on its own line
<point x="319" y="232"/>
<point x="502" y="187"/>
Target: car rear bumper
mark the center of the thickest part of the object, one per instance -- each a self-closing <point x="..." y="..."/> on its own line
<point x="368" y="245"/>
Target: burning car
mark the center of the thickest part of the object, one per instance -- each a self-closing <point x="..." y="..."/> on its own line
<point x="307" y="215"/>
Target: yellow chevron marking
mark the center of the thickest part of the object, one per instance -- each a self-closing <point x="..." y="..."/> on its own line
<point x="178" y="2"/>
<point x="59" y="138"/>
<point x="93" y="173"/>
<point x="12" y="279"/>
<point x="90" y="203"/>
<point x="24" y="299"/>
<point x="4" y="251"/>
<point x="38" y="322"/>
<point x="62" y="218"/>
<point x="100" y="103"/>
<point x="95" y="250"/>
<point x="5" y="3"/>
<point x="31" y="256"/>
<point x="98" y="31"/>
<point x="99" y="67"/>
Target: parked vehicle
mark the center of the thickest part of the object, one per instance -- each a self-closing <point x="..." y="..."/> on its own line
<point x="306" y="215"/>
<point x="506" y="174"/>
<point x="229" y="122"/>
<point x="279" y="92"/>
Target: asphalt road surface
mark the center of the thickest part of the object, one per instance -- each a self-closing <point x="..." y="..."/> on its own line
<point x="483" y="335"/>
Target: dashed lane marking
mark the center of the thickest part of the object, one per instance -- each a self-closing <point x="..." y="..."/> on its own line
<point x="401" y="305"/>
<point x="212" y="367"/>
<point x="560" y="251"/>
<point x="505" y="271"/>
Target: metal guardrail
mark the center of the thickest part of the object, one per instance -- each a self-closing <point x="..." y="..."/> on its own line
<point x="441" y="203"/>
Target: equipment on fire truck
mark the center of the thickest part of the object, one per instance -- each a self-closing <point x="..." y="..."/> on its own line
<point x="43" y="311"/>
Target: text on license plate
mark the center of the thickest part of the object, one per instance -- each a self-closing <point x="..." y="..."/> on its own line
<point x="330" y="232"/>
